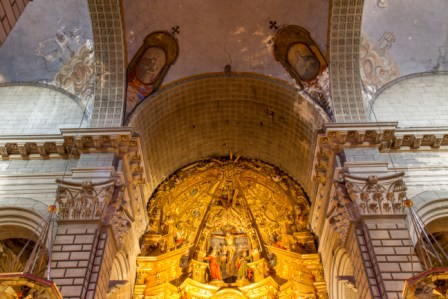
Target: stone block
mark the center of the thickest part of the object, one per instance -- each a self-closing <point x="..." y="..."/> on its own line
<point x="389" y="267"/>
<point x="60" y="256"/>
<point x="71" y="247"/>
<point x="386" y="226"/>
<point x="79" y="272"/>
<point x="65" y="264"/>
<point x="397" y="258"/>
<point x="71" y="291"/>
<point x="84" y="239"/>
<point x="379" y="234"/>
<point x="411" y="267"/>
<point x="391" y="243"/>
<point x="381" y="258"/>
<point x="79" y="281"/>
<point x="63" y="239"/>
<point x="87" y="247"/>
<point x="401" y="276"/>
<point x="383" y="250"/>
<point x="399" y="234"/>
<point x="377" y="243"/>
<point x="393" y="285"/>
<point x="404" y="250"/>
<point x="76" y="231"/>
<point x="63" y="281"/>
<point x="57" y="273"/>
<point x="79" y="256"/>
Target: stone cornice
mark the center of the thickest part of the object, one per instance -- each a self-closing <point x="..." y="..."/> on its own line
<point x="121" y="141"/>
<point x="69" y="142"/>
<point x="385" y="136"/>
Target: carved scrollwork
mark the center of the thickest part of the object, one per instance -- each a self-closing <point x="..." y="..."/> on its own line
<point x="120" y="217"/>
<point x="341" y="212"/>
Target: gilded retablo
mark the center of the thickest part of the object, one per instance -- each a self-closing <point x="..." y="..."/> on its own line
<point x="229" y="228"/>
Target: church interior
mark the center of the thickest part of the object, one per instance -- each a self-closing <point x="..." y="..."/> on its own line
<point x="224" y="149"/>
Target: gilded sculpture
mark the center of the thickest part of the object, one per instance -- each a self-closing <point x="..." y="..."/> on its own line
<point x="226" y="226"/>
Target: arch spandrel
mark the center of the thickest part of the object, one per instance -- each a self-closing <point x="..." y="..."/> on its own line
<point x="229" y="223"/>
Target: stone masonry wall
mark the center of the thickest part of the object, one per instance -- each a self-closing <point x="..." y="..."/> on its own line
<point x="364" y="277"/>
<point x="390" y="255"/>
<point x="73" y="258"/>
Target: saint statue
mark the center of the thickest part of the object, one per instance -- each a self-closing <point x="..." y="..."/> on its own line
<point x="241" y="264"/>
<point x="215" y="269"/>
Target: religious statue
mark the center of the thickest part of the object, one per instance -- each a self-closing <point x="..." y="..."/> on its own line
<point x="243" y="268"/>
<point x="215" y="269"/>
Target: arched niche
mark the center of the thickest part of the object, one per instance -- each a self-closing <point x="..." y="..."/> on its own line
<point x="342" y="281"/>
<point x="229" y="221"/>
<point x="217" y="114"/>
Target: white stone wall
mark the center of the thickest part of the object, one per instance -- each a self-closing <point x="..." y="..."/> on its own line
<point x="37" y="110"/>
<point x="425" y="170"/>
<point x="415" y="102"/>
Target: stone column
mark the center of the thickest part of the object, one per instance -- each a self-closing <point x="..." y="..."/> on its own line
<point x="370" y="217"/>
<point x="85" y="243"/>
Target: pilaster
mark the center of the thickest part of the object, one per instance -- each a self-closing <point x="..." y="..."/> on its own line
<point x="377" y="237"/>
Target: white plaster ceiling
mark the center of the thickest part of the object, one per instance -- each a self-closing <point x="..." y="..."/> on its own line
<point x="214" y="33"/>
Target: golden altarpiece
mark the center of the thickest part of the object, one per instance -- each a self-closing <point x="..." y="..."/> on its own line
<point x="229" y="228"/>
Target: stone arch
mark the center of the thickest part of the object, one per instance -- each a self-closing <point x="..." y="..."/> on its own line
<point x="22" y="217"/>
<point x="432" y="208"/>
<point x="431" y="205"/>
<point x="216" y="114"/>
<point x="119" y="281"/>
<point x="342" y="284"/>
<point x="20" y="229"/>
<point x="120" y="267"/>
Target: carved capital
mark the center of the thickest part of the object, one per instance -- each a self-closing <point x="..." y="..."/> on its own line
<point x="83" y="201"/>
<point x="375" y="195"/>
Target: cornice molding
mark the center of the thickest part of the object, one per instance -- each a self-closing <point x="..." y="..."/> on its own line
<point x="121" y="141"/>
<point x="384" y="136"/>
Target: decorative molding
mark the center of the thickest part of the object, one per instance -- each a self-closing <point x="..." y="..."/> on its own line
<point x="73" y="142"/>
<point x="83" y="201"/>
<point x="120" y="217"/>
<point x="384" y="136"/>
<point x="341" y="214"/>
<point x="77" y="76"/>
<point x="376" y="65"/>
<point x="382" y="3"/>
